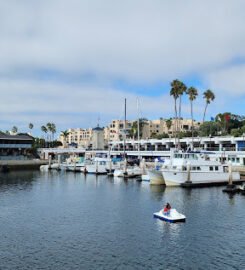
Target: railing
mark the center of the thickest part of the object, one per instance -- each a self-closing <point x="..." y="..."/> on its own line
<point x="5" y="145"/>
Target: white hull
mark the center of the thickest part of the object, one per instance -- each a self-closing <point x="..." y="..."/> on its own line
<point x="156" y="177"/>
<point x="130" y="172"/>
<point x="145" y="177"/>
<point x="75" y="168"/>
<point x="176" y="178"/>
<point x="96" y="169"/>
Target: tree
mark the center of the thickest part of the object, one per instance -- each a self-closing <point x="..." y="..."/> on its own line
<point x="31" y="127"/>
<point x="208" y="96"/>
<point x="134" y="129"/>
<point x="14" y="129"/>
<point x="169" y="123"/>
<point x="49" y="129"/>
<point x="53" y="130"/>
<point x="192" y="93"/>
<point x="45" y="130"/>
<point x="65" y="134"/>
<point x="178" y="88"/>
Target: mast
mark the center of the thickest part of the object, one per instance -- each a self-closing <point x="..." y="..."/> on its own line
<point x="124" y="135"/>
<point x="138" y="128"/>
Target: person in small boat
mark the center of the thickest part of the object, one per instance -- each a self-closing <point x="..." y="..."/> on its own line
<point x="166" y="209"/>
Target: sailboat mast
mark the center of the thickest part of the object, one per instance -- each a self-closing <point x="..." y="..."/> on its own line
<point x="138" y="127"/>
<point x="124" y="137"/>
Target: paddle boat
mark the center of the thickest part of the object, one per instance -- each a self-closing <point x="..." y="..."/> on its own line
<point x="171" y="216"/>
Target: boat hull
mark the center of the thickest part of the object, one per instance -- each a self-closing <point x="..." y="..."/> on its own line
<point x="178" y="178"/>
<point x="156" y="177"/>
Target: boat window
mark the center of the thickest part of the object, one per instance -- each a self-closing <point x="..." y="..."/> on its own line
<point x="184" y="168"/>
<point x="199" y="168"/>
<point x="211" y="168"/>
<point x="174" y="167"/>
<point x="194" y="168"/>
<point x="237" y="159"/>
<point x="216" y="168"/>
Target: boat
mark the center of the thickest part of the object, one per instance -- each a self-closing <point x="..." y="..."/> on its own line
<point x="128" y="172"/>
<point x="97" y="166"/>
<point x="189" y="169"/>
<point x="172" y="216"/>
<point x="242" y="187"/>
<point x="155" y="176"/>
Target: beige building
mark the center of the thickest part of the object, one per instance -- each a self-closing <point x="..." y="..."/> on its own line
<point x="160" y="126"/>
<point x="115" y="131"/>
<point x="79" y="136"/>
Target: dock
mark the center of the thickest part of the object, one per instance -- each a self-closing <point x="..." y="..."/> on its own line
<point x="10" y="165"/>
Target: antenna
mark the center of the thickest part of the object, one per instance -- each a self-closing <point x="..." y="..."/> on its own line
<point x="98" y="124"/>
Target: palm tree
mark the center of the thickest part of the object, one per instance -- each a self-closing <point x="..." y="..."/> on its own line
<point x="65" y="134"/>
<point x="53" y="131"/>
<point x="178" y="88"/>
<point x="31" y="127"/>
<point x="175" y="93"/>
<point x="45" y="130"/>
<point x="168" y="124"/>
<point x="182" y="89"/>
<point x="14" y="129"/>
<point x="49" y="129"/>
<point x="192" y="93"/>
<point x="208" y="96"/>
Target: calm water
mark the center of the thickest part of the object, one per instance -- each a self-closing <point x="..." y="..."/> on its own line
<point x="68" y="221"/>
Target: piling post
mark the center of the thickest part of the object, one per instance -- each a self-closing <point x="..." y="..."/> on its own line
<point x="188" y="172"/>
<point x="49" y="161"/>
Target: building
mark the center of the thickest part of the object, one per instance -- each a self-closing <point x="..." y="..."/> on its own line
<point x="115" y="131"/>
<point x="153" y="128"/>
<point x="98" y="142"/>
<point x="15" y="146"/>
<point x="77" y="136"/>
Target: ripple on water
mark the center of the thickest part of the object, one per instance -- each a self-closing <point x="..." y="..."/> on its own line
<point x="66" y="221"/>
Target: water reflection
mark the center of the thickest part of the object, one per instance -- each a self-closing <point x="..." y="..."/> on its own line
<point x="21" y="179"/>
<point x="157" y="191"/>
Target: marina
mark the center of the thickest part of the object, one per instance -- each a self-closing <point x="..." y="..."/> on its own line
<point x="65" y="220"/>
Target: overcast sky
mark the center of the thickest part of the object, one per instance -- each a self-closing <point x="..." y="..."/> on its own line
<point x="73" y="61"/>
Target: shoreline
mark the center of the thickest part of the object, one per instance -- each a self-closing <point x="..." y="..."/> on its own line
<point x="10" y="165"/>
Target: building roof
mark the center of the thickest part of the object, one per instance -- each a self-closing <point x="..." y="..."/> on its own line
<point x="98" y="129"/>
<point x="21" y="136"/>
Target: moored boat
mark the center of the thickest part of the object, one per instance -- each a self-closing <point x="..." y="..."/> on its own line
<point x="196" y="169"/>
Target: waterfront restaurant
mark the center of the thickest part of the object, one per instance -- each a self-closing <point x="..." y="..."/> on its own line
<point x="15" y="147"/>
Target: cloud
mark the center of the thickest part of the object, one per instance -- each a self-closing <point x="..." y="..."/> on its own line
<point x="50" y="48"/>
<point x="228" y="80"/>
<point x="69" y="105"/>
<point x="134" y="40"/>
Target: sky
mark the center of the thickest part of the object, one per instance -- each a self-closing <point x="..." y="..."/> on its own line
<point x="73" y="62"/>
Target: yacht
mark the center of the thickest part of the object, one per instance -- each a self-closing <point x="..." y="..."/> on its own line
<point x="196" y="169"/>
<point x="97" y="166"/>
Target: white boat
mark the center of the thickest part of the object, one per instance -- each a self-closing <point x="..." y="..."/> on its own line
<point x="155" y="176"/>
<point x="128" y="171"/>
<point x="172" y="216"/>
<point x="242" y="187"/>
<point x="196" y="169"/>
<point x="97" y="166"/>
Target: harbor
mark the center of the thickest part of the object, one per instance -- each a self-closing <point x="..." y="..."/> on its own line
<point x="62" y="220"/>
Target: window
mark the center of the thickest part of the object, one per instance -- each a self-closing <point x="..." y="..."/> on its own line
<point x="199" y="168"/>
<point x="216" y="168"/>
<point x="211" y="168"/>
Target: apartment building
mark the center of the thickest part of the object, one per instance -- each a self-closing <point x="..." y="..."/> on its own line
<point x="153" y="128"/>
<point x="115" y="131"/>
<point x="80" y="137"/>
